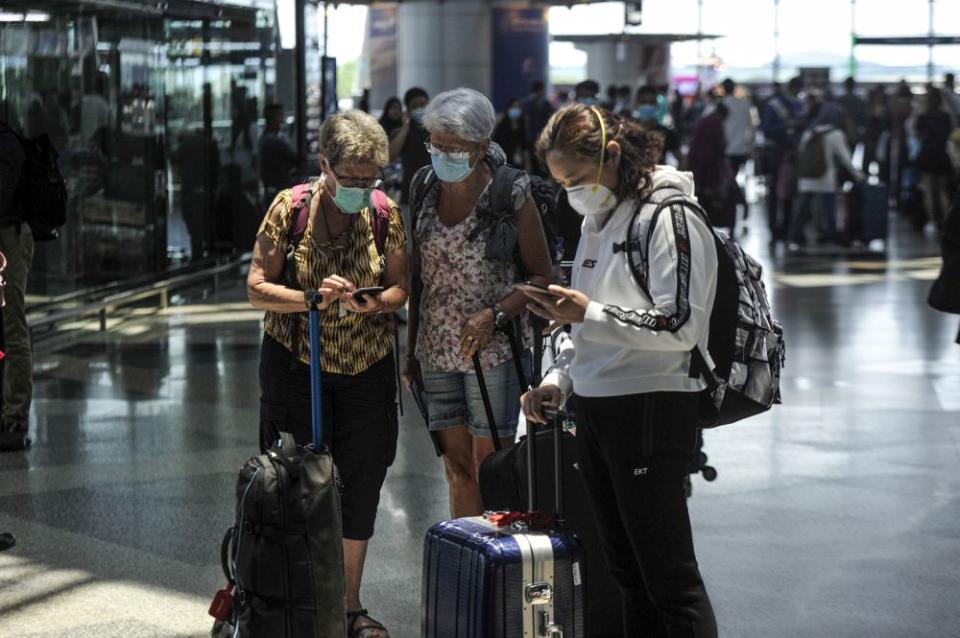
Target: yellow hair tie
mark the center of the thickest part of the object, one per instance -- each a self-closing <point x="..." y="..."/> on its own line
<point x="603" y="145"/>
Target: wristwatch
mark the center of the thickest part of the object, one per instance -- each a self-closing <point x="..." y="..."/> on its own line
<point x="500" y="317"/>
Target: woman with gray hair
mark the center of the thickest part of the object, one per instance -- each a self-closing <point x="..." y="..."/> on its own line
<point x="462" y="300"/>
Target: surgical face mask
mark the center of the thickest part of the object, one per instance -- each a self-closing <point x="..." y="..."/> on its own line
<point x="450" y="169"/>
<point x="351" y="200"/>
<point x="645" y="112"/>
<point x="587" y="101"/>
<point x="591" y="200"/>
<point x="515" y="113"/>
<point x="595" y="199"/>
<point x="417" y="115"/>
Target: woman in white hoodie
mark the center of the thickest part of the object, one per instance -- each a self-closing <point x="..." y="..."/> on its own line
<point x="630" y="361"/>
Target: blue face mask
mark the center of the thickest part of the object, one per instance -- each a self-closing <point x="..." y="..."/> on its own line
<point x="587" y="101"/>
<point x="646" y="112"/>
<point x="515" y="113"/>
<point x="449" y="169"/>
<point x="417" y="115"/>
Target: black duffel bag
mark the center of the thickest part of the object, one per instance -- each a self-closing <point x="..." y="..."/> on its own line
<point x="284" y="555"/>
<point x="283" y="558"/>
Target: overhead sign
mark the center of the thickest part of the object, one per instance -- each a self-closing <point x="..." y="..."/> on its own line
<point x="521" y="52"/>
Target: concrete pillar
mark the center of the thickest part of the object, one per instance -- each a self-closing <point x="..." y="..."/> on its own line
<point x="444" y="45"/>
<point x="626" y="63"/>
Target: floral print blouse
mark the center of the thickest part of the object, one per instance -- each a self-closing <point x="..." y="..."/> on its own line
<point x="460" y="281"/>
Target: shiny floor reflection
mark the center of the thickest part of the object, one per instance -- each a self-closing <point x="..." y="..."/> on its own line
<point x="836" y="515"/>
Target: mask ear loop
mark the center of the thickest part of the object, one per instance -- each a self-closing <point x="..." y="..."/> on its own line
<point x="603" y="146"/>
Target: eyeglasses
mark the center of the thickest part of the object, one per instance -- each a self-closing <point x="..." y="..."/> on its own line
<point x="350" y="181"/>
<point x="456" y="155"/>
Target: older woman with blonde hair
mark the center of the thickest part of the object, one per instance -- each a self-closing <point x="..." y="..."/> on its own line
<point x="348" y="237"/>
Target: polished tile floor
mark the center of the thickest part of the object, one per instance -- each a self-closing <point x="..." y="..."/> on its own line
<point x="836" y="515"/>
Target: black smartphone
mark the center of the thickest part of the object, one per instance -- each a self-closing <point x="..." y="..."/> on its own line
<point x="360" y="293"/>
<point x="529" y="286"/>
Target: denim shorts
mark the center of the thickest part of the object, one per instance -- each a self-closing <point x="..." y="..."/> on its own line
<point x="453" y="398"/>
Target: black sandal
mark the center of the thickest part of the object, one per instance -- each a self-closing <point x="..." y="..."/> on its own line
<point x="362" y="632"/>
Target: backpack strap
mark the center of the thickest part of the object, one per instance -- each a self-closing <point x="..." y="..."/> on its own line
<point x="380" y="220"/>
<point x="699" y="368"/>
<point x="300" y="198"/>
<point x="423" y="181"/>
<point x="501" y="191"/>
<point x="634" y="244"/>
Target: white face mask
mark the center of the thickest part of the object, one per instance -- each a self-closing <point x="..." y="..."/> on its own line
<point x="591" y="200"/>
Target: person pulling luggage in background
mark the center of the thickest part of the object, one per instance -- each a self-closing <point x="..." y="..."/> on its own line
<point x="630" y="362"/>
<point x="336" y="255"/>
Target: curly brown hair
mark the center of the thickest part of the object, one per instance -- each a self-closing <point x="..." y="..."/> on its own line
<point x="575" y="130"/>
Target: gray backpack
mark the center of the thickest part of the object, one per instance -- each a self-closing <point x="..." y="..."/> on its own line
<point x="746" y="342"/>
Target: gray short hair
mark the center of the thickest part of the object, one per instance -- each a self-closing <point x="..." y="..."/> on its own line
<point x="462" y="112"/>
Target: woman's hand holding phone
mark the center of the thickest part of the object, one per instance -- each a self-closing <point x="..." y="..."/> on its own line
<point x="557" y="304"/>
<point x="532" y="287"/>
<point x="364" y="300"/>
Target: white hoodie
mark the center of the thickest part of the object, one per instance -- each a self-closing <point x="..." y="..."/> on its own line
<point x="627" y="345"/>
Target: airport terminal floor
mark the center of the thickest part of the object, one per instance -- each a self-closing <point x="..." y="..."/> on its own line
<point x="835" y="515"/>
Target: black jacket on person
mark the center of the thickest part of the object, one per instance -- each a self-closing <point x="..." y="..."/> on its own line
<point x="11" y="166"/>
<point x="512" y="138"/>
<point x="945" y="293"/>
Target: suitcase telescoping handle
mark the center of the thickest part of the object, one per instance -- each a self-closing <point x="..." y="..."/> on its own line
<point x="557" y="417"/>
<point x="316" y="397"/>
<point x="531" y="427"/>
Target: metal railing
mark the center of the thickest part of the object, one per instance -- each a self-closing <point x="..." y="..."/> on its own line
<point x="48" y="317"/>
<point x="95" y="293"/>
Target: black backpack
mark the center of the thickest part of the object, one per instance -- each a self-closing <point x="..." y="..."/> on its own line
<point x="42" y="192"/>
<point x="499" y="222"/>
<point x="281" y="556"/>
<point x="745" y="341"/>
<point x="812" y="162"/>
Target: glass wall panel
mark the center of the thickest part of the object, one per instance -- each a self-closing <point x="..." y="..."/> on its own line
<point x="156" y="120"/>
<point x="92" y="86"/>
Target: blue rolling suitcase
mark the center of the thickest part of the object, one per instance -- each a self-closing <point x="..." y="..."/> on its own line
<point x="494" y="577"/>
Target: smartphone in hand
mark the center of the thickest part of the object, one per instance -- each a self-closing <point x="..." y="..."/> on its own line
<point x="360" y="294"/>
<point x="529" y="286"/>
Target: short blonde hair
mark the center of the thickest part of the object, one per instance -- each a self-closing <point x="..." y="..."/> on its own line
<point x="354" y="136"/>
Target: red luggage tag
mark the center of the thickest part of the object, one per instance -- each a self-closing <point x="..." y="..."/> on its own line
<point x="504" y="519"/>
<point x="222" y="604"/>
<point x="532" y="520"/>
